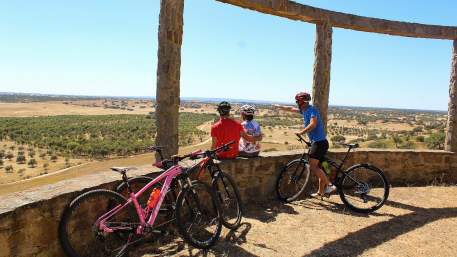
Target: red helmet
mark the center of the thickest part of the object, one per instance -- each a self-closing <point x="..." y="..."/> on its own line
<point x="302" y="97"/>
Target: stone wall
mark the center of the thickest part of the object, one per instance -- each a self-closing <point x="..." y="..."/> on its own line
<point x="29" y="219"/>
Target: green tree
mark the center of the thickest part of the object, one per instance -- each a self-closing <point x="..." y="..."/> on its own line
<point x="377" y="144"/>
<point x="20" y="159"/>
<point x="54" y="158"/>
<point x="338" y="139"/>
<point x="32" y="163"/>
<point x="436" y="141"/>
<point x="31" y="153"/>
<point x="9" y="169"/>
<point x="46" y="166"/>
<point x="397" y="140"/>
<point x="420" y="139"/>
<point x="9" y="156"/>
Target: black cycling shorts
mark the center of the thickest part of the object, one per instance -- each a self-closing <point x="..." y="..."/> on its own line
<point x="319" y="150"/>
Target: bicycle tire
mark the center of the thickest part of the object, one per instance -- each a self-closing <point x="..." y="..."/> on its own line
<point x="362" y="189"/>
<point x="189" y="196"/>
<point x="222" y="197"/>
<point x="288" y="172"/>
<point x="66" y="224"/>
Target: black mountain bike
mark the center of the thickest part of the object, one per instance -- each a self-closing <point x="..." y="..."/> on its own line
<point x="222" y="184"/>
<point x="362" y="187"/>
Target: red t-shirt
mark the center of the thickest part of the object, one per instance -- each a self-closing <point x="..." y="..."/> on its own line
<point x="226" y="130"/>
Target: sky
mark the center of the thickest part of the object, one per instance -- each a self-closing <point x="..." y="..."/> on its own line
<point x="102" y="47"/>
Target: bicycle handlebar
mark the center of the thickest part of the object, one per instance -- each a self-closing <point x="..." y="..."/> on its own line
<point x="212" y="153"/>
<point x="164" y="163"/>
<point x="301" y="139"/>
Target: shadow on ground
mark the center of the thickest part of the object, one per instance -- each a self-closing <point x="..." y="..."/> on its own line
<point x="372" y="236"/>
<point x="230" y="245"/>
<point x="352" y="244"/>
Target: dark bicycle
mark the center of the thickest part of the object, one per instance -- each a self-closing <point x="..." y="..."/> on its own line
<point x="362" y="187"/>
<point x="222" y="184"/>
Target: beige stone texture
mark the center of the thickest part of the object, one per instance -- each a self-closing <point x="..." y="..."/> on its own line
<point x="451" y="126"/>
<point x="296" y="11"/>
<point x="321" y="75"/>
<point x="168" y="74"/>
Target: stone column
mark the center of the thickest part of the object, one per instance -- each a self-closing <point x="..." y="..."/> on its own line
<point x="451" y="126"/>
<point x="168" y="74"/>
<point x="321" y="78"/>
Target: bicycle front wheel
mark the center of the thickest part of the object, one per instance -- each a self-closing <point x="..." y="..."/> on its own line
<point x="79" y="232"/>
<point x="364" y="188"/>
<point x="197" y="216"/>
<point x="292" y="180"/>
<point x="228" y="199"/>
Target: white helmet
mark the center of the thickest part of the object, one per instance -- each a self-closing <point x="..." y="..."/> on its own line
<point x="247" y="109"/>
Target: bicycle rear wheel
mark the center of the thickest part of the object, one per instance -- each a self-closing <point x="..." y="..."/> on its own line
<point x="79" y="234"/>
<point x="364" y="188"/>
<point x="197" y="216"/>
<point x="292" y="180"/>
<point x="228" y="199"/>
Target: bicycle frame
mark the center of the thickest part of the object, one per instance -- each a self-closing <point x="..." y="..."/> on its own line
<point x="168" y="176"/>
<point x="338" y="167"/>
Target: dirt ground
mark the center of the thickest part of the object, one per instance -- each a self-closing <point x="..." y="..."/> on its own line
<point x="416" y="221"/>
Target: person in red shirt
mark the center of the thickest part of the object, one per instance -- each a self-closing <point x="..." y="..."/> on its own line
<point x="227" y="129"/>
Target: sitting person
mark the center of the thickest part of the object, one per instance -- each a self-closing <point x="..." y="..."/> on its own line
<point x="252" y="128"/>
<point x="226" y="130"/>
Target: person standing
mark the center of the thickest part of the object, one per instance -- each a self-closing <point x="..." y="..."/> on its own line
<point x="314" y="128"/>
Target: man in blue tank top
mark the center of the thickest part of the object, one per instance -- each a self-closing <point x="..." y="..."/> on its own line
<point x="314" y="128"/>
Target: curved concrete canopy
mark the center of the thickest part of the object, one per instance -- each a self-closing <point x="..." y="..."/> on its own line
<point x="295" y="11"/>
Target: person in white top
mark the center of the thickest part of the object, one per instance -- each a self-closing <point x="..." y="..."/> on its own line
<point x="251" y="127"/>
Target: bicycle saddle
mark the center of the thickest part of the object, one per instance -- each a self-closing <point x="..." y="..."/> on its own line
<point x="122" y="169"/>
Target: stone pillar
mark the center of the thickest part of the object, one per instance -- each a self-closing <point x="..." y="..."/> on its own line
<point x="168" y="74"/>
<point x="451" y="126"/>
<point x="321" y="78"/>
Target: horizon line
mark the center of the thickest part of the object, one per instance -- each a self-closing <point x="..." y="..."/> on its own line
<point x="212" y="99"/>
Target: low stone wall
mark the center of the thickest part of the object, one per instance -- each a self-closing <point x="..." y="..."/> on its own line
<point x="29" y="219"/>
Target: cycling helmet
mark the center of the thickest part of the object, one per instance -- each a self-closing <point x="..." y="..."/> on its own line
<point x="247" y="109"/>
<point x="302" y="97"/>
<point x="224" y="108"/>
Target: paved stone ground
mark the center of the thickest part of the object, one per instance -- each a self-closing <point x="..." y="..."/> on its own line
<point x="416" y="221"/>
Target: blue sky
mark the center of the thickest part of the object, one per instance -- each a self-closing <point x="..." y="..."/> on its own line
<point x="110" y="48"/>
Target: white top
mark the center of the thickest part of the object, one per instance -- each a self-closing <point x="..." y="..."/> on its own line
<point x="252" y="128"/>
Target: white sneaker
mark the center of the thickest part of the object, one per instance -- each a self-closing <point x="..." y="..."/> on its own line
<point x="330" y="189"/>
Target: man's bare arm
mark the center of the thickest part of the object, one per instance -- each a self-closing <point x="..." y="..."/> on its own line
<point x="248" y="137"/>
<point x="286" y="108"/>
<point x="213" y="143"/>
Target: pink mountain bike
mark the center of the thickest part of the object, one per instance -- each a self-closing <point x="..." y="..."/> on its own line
<point x="104" y="223"/>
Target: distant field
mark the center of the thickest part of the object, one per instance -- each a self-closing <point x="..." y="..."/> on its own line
<point x="33" y="146"/>
<point x="70" y="131"/>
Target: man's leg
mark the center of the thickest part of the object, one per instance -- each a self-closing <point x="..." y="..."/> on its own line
<point x="323" y="180"/>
